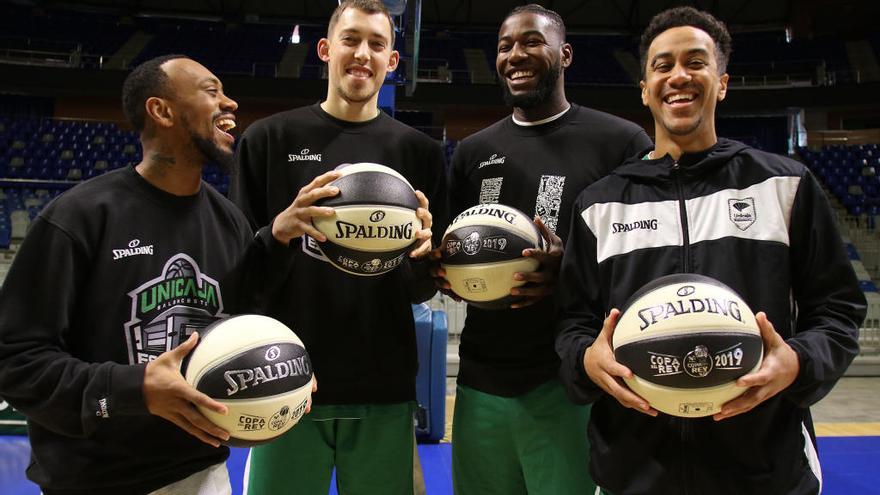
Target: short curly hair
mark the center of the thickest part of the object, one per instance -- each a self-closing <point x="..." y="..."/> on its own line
<point x="688" y="16"/>
<point x="145" y="81"/>
<point x="534" y="8"/>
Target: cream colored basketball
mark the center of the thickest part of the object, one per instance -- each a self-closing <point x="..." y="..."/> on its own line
<point x="482" y="249"/>
<point x="375" y="223"/>
<point x="259" y="369"/>
<point x="687" y="338"/>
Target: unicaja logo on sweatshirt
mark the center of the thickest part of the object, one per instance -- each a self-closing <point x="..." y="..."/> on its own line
<point x="165" y="310"/>
<point x="304" y="156"/>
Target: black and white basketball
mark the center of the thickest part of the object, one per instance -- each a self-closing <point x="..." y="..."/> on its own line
<point x="375" y="223"/>
<point x="259" y="369"/>
<point x="482" y="249"/>
<point x="687" y="338"/>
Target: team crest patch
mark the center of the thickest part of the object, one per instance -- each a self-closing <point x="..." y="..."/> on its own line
<point x="742" y="212"/>
<point x="167" y="309"/>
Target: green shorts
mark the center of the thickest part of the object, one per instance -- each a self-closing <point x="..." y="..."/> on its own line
<point x="532" y="444"/>
<point x="371" y="447"/>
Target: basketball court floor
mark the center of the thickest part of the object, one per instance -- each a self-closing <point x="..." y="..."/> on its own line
<point x="847" y="422"/>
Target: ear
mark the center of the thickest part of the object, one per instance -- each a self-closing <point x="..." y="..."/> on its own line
<point x="159" y="111"/>
<point x="393" y="60"/>
<point x="644" y="86"/>
<point x="567" y="54"/>
<point x="722" y="86"/>
<point x="324" y="49"/>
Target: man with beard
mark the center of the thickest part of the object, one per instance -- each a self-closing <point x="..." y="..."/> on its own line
<point x="757" y="222"/>
<point x="359" y="330"/>
<point x="514" y="430"/>
<point x="121" y="269"/>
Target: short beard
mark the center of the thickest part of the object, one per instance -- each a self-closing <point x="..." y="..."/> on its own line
<point x="210" y="151"/>
<point x="537" y="96"/>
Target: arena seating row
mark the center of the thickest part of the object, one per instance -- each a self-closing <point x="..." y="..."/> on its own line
<point x="850" y="173"/>
<point x="40" y="158"/>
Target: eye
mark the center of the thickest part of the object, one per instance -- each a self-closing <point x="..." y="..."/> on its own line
<point x="534" y="42"/>
<point x="377" y="45"/>
<point x="503" y="48"/>
<point x="696" y="64"/>
<point x="213" y="91"/>
<point x="662" y="67"/>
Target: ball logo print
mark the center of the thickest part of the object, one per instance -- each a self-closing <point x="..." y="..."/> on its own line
<point x="685" y="290"/>
<point x="273" y="353"/>
<point x="375" y="223"/>
<point x="687" y="338"/>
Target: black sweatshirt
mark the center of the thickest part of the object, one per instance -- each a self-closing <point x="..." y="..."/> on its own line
<point x="539" y="170"/>
<point x="359" y="331"/>
<point x="760" y="224"/>
<point x="111" y="274"/>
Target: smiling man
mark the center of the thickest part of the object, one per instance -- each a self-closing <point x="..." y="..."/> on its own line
<point x="514" y="431"/>
<point x="359" y="330"/>
<point x="81" y="355"/>
<point x="781" y="252"/>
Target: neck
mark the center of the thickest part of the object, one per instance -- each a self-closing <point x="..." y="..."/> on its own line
<point x="169" y="170"/>
<point x="351" y="111"/>
<point x="553" y="105"/>
<point x="675" y="146"/>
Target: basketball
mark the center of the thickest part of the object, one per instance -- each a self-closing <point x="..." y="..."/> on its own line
<point x="687" y="338"/>
<point x="375" y="223"/>
<point x="482" y="249"/>
<point x="259" y="369"/>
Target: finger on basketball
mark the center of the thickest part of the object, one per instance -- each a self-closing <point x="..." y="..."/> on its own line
<point x="316" y="234"/>
<point x="423" y="200"/>
<point x="324" y="179"/>
<point x="536" y="277"/>
<point x="200" y="399"/>
<point x="204" y="424"/>
<point x="319" y="211"/>
<point x="308" y="198"/>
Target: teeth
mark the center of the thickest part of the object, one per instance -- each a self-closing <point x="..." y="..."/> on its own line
<point x="521" y="73"/>
<point x="225" y="124"/>
<point x="679" y="97"/>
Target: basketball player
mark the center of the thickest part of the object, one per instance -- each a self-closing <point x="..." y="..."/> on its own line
<point x="514" y="431"/>
<point x="755" y="221"/>
<point x="121" y="269"/>
<point x="359" y="330"/>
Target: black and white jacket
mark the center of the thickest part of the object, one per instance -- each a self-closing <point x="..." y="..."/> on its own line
<point x="757" y="222"/>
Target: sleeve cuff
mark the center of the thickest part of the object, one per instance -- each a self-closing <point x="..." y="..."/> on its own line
<point x="127" y="390"/>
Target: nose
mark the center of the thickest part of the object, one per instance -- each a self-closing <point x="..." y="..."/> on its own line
<point x="679" y="76"/>
<point x="228" y="104"/>
<point x="362" y="52"/>
<point x="516" y="53"/>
